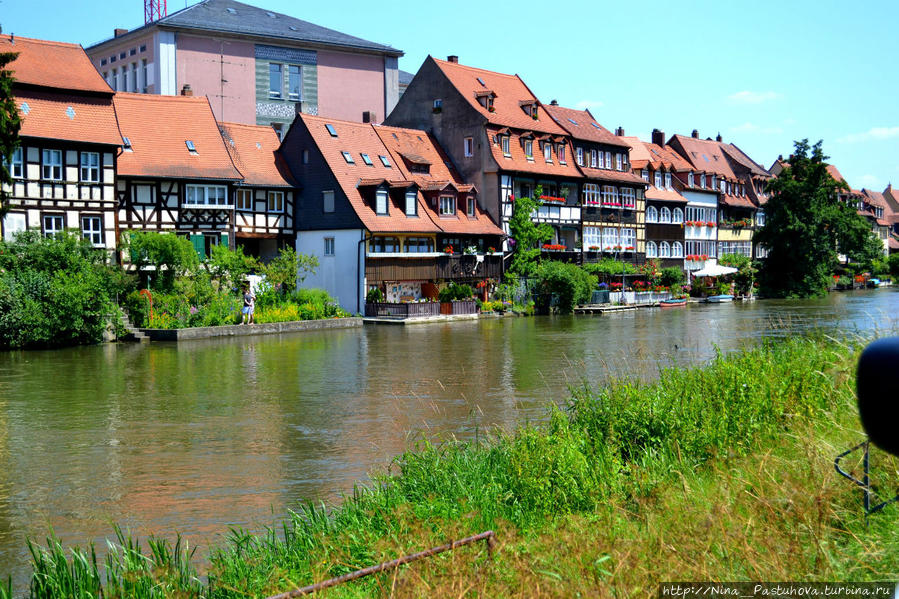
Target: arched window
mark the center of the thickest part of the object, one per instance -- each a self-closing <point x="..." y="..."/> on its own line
<point x="664" y="215"/>
<point x="677" y="216"/>
<point x="652" y="215"/>
<point x="677" y="250"/>
<point x="651" y="251"/>
<point x="664" y="250"/>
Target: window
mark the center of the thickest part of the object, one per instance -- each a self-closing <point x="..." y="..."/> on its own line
<point x="610" y="196"/>
<point x="645" y="174"/>
<point x="276" y="201"/>
<point x="125" y="79"/>
<point x="52" y="224"/>
<point x="529" y="148"/>
<point x="560" y="152"/>
<point x="17" y="169"/>
<point x="51" y="169"/>
<point x="658" y="179"/>
<point x="305" y="156"/>
<point x="591" y="193"/>
<point x="385" y="161"/>
<point x="274" y="80"/>
<point x="190" y="146"/>
<point x="447" y="205"/>
<point x="702" y="181"/>
<point x="593" y="159"/>
<point x="690" y="180"/>
<point x="92" y="230"/>
<point x="438" y="104"/>
<point x="664" y="215"/>
<point x="677" y="250"/>
<point x="667" y="180"/>
<point x="651" y="249"/>
<point x="664" y="250"/>
<point x="383" y="245"/>
<point x="348" y="157"/>
<point x="591" y="238"/>
<point x="504" y="142"/>
<point x="743" y="248"/>
<point x="134" y="84"/>
<point x="418" y="245"/>
<point x="677" y="216"/>
<point x="608" y="160"/>
<point x="244" y="199"/>
<point x="723" y="187"/>
<point x="331" y="130"/>
<point x="470" y="207"/>
<point x="381" y="201"/>
<point x="328" y="201"/>
<point x="609" y="238"/>
<point x="760" y="219"/>
<point x="468" y="144"/>
<point x="90" y="167"/>
<point x="580" y="156"/>
<point x="294" y="82"/>
<point x="619" y="161"/>
<point x="628" y="199"/>
<point x="548" y="152"/>
<point x="628" y="239"/>
<point x="207" y="195"/>
<point x="714" y="182"/>
<point x="143" y="79"/>
<point x="367" y="159"/>
<point x="652" y="214"/>
<point x="411" y="202"/>
<point x="329" y="246"/>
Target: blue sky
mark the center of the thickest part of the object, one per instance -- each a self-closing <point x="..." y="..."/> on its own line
<point x="762" y="74"/>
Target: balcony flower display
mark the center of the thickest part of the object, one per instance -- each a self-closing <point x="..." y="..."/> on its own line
<point x="470" y="250"/>
<point x="629" y="248"/>
<point x="554" y="247"/>
<point x="553" y="199"/>
<point x="491" y="250"/>
<point x="711" y="224"/>
<point x="593" y="248"/>
<point x="617" y="248"/>
<point x="448" y="250"/>
<point x="616" y="286"/>
<point x="704" y="257"/>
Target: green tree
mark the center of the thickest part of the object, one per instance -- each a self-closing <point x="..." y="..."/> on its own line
<point x="169" y="254"/>
<point x="745" y="275"/>
<point x="289" y="269"/>
<point x="805" y="226"/>
<point x="893" y="265"/>
<point x="526" y="236"/>
<point x="229" y="267"/>
<point x="568" y="283"/>
<point x="10" y="123"/>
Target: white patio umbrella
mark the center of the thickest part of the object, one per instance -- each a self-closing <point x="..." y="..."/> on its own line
<point x="714" y="270"/>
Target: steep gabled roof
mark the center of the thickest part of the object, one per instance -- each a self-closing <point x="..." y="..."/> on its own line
<point x="254" y="151"/>
<point x="510" y="91"/>
<point x="518" y="161"/>
<point x="580" y="124"/>
<point x="705" y="155"/>
<point x="67" y="117"/>
<point x="53" y="65"/>
<point x="836" y="174"/>
<point x="741" y="157"/>
<point x="158" y="128"/>
<point x="230" y="16"/>
<point x="648" y="154"/>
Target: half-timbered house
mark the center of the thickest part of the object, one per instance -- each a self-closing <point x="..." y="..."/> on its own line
<point x="264" y="198"/>
<point x="174" y="173"/>
<point x="64" y="168"/>
<point x="382" y="207"/>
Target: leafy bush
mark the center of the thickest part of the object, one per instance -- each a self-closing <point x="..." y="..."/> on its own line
<point x="569" y="283"/>
<point x="230" y="267"/>
<point x="671" y="276"/>
<point x="893" y="264"/>
<point x="169" y="254"/>
<point x="374" y="296"/>
<point x="454" y="291"/>
<point x="607" y="267"/>
<point x="289" y="269"/>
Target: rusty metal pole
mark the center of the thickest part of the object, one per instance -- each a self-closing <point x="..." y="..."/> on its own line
<point x="488" y="536"/>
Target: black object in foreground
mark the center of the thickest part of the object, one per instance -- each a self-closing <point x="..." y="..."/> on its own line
<point x="878" y="393"/>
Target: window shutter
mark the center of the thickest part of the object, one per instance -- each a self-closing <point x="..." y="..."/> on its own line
<point x="199" y="245"/>
<point x="224" y="240"/>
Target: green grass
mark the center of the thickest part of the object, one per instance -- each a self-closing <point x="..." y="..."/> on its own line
<point x="722" y="472"/>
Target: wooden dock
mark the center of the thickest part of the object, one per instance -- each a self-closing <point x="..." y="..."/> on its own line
<point x="603" y="308"/>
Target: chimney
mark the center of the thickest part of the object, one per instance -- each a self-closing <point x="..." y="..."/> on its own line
<point x="186" y="91"/>
<point x="554" y="103"/>
<point x="453" y="59"/>
<point x="369" y="117"/>
<point x="695" y="134"/>
<point x="718" y="138"/>
<point x="119" y="32"/>
<point x="298" y="108"/>
<point x="619" y="131"/>
<point x="780" y="157"/>
<point x="658" y="137"/>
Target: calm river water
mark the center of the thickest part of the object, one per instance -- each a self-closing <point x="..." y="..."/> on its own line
<point x="201" y="436"/>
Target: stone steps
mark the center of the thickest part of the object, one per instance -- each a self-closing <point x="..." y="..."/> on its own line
<point x="133" y="333"/>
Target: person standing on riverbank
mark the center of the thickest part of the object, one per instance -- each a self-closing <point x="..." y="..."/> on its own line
<point x="249" y="304"/>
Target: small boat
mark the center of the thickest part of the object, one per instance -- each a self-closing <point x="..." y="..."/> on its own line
<point x="719" y="299"/>
<point x="673" y="303"/>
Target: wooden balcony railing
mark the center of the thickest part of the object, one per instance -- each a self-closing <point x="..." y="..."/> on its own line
<point x="434" y="268"/>
<point x="402" y="309"/>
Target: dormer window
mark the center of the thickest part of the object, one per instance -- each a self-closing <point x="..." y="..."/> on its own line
<point x="592" y="158"/>
<point x="645" y="174"/>
<point x="560" y="152"/>
<point x="619" y="161"/>
<point x="490" y="104"/>
<point x="381" y="201"/>
<point x="411" y="202"/>
<point x="529" y="148"/>
<point x="702" y="181"/>
<point x="504" y="141"/>
<point x="470" y="209"/>
<point x="714" y="182"/>
<point x="534" y="112"/>
<point x="690" y="180"/>
<point x="658" y="179"/>
<point x="447" y="205"/>
<point x="548" y="151"/>
<point x="580" y="156"/>
<point x="438" y="105"/>
<point x="667" y="180"/>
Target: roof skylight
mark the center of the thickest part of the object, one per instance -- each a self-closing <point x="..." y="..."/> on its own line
<point x="127" y="144"/>
<point x="595" y="125"/>
<point x="190" y="146"/>
<point x="481" y="81"/>
<point x="366" y="159"/>
<point x="385" y="161"/>
<point x="331" y="130"/>
<point x="231" y="10"/>
<point x="572" y="121"/>
<point x="348" y="157"/>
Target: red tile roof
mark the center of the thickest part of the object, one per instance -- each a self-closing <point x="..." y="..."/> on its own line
<point x="875" y="198"/>
<point x="581" y="125"/>
<point x="53" y="64"/>
<point x="67" y="117"/>
<point x="254" y="150"/>
<point x="667" y="195"/>
<point x="517" y="161"/>
<point x="159" y="126"/>
<point x="510" y="91"/>
<point x="645" y="153"/>
<point x="613" y="176"/>
<point x="737" y="201"/>
<point x="422" y="149"/>
<point x="707" y="156"/>
<point x="743" y="158"/>
<point x="835" y="173"/>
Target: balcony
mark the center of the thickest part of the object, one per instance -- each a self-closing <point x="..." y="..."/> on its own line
<point x="432" y="268"/>
<point x="402" y="310"/>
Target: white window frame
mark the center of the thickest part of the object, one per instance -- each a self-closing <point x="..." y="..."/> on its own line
<point x="94" y="232"/>
<point x="275" y="202"/>
<point x="504" y="144"/>
<point x="760" y="218"/>
<point x="667" y="180"/>
<point x="471" y="207"/>
<point x="665" y="215"/>
<point x="691" y="180"/>
<point x="55" y="219"/>
<point x="560" y="152"/>
<point x="547" y="151"/>
<point x="619" y="161"/>
<point x="591" y="236"/>
<point x="17" y="166"/>
<point x="628" y="197"/>
<point x="592" y="194"/>
<point x="628" y="239"/>
<point x="221" y="191"/>
<point x="610" y="196"/>
<point x="529" y="148"/>
<point x="580" y="156"/>
<point x="447" y="205"/>
<point x="664" y="249"/>
<point x="652" y="214"/>
<point x="609" y="238"/>
<point x="90" y="167"/>
<point x="677" y="250"/>
<point x="677" y="216"/>
<point x="608" y="160"/>
<point x="658" y="179"/>
<point x="593" y="159"/>
<point x="272" y="93"/>
<point x="411" y="208"/>
<point x="468" y="146"/>
<point x="645" y="174"/>
<point x="329" y="246"/>
<point x="51" y="169"/>
<point x="652" y="250"/>
<point x="381" y="202"/>
<point x="299" y="93"/>
<point x="245" y="199"/>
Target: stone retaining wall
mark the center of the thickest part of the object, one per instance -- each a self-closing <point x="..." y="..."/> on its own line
<point x="237" y="330"/>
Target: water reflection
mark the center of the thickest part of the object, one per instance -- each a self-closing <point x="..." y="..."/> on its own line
<point x="205" y="435"/>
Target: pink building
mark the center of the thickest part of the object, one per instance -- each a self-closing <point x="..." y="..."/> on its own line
<point x="256" y="66"/>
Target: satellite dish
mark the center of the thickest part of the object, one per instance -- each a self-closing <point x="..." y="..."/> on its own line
<point x="878" y="393"/>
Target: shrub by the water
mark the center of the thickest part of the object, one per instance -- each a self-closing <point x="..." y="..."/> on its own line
<point x="568" y="283"/>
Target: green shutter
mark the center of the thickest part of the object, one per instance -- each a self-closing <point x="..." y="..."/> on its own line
<point x="200" y="245"/>
<point x="224" y="240"/>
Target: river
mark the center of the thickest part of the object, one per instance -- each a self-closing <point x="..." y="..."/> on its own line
<point x="202" y="436"/>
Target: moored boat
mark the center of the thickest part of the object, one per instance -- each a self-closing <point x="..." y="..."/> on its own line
<point x="673" y="303"/>
<point x="718" y="299"/>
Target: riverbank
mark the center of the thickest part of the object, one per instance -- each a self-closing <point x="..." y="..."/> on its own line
<point x="722" y="472"/>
